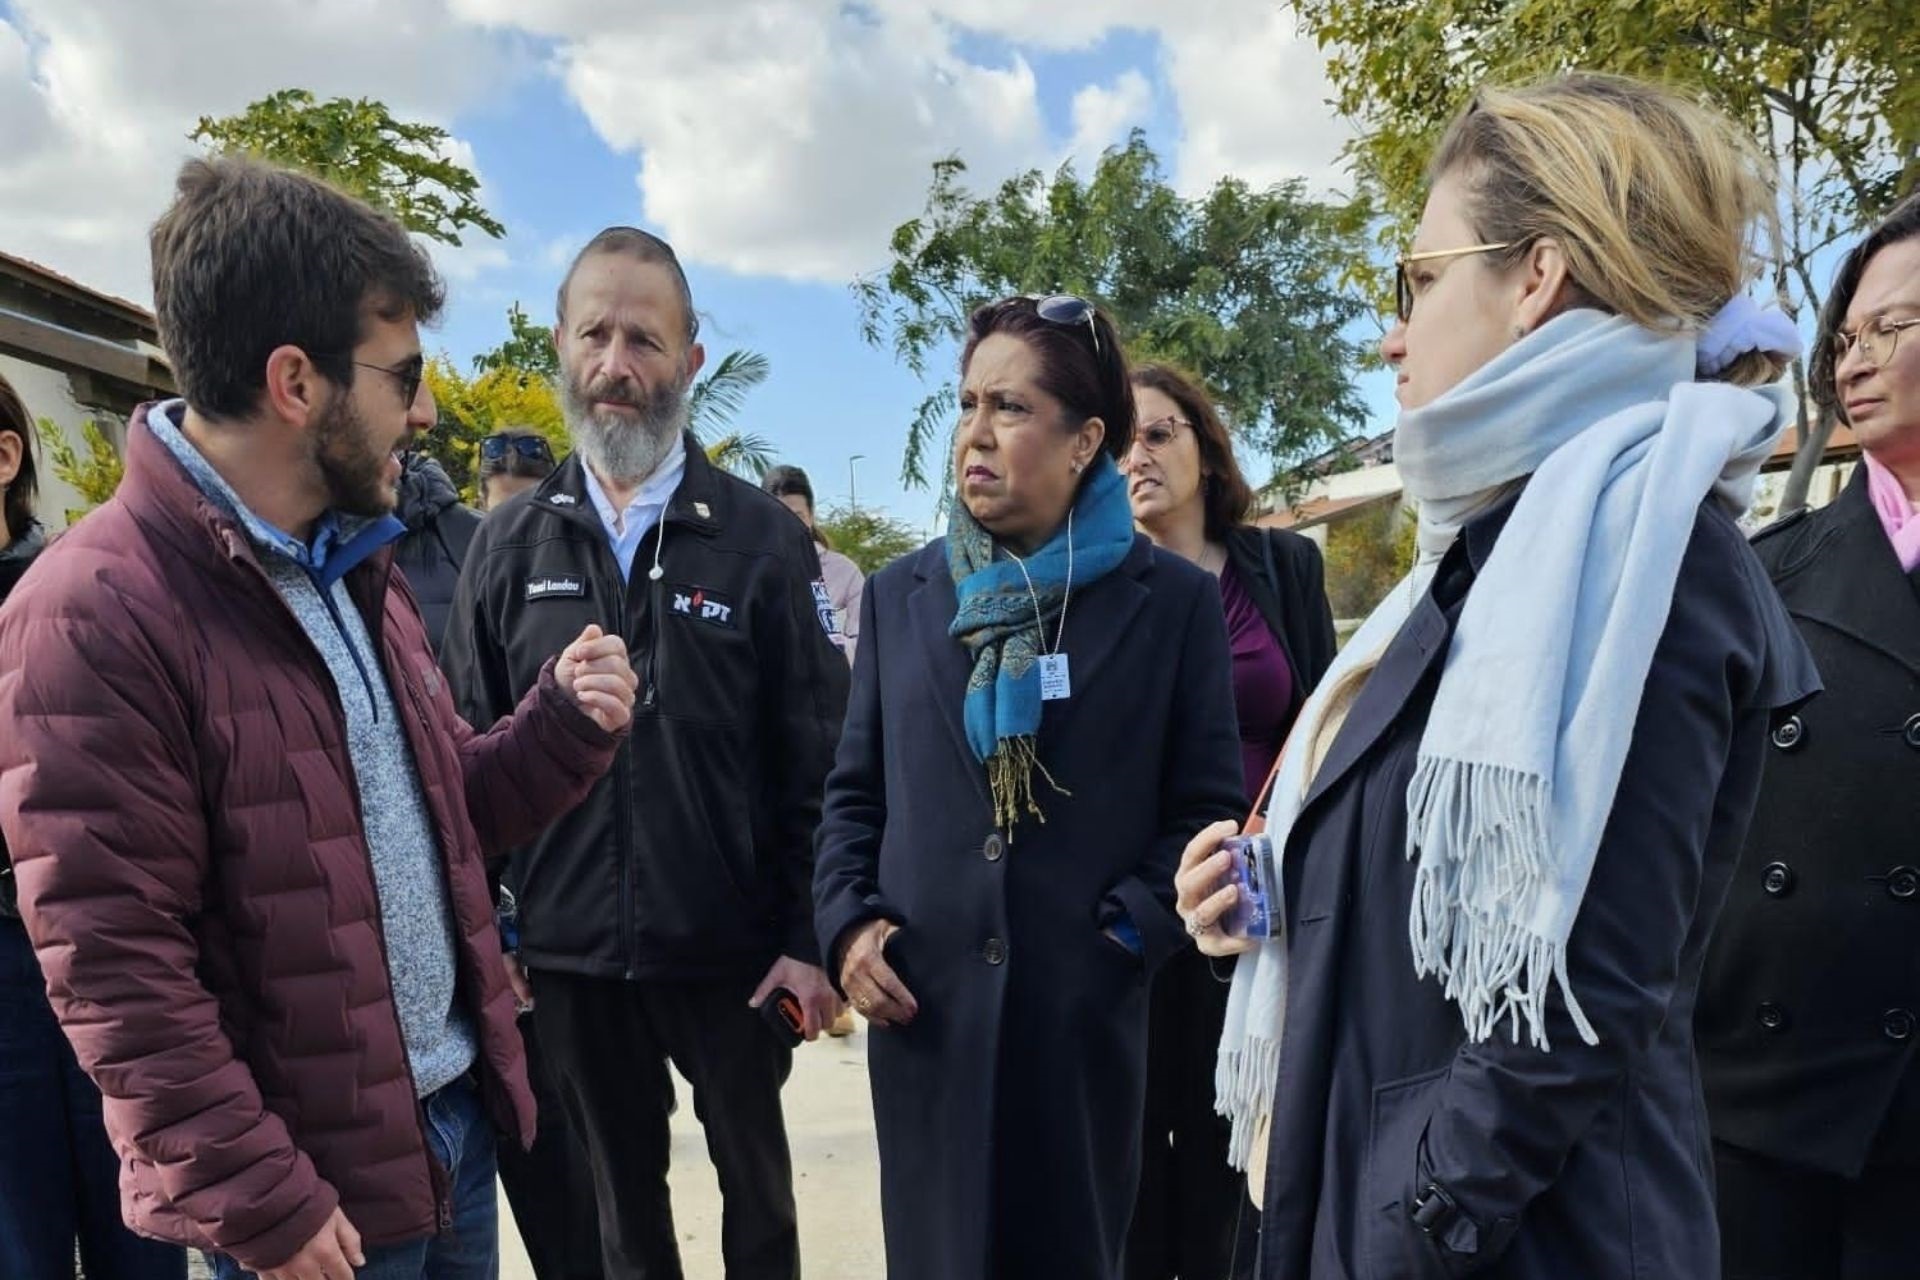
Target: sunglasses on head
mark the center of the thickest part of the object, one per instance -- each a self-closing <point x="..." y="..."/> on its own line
<point x="495" y="448"/>
<point x="1069" y="312"/>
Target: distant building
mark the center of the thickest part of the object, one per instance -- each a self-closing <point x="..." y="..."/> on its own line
<point x="74" y="354"/>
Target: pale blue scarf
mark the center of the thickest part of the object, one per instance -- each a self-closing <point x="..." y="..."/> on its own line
<point x="1534" y="714"/>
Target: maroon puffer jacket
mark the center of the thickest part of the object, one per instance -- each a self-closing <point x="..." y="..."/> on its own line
<point x="176" y="790"/>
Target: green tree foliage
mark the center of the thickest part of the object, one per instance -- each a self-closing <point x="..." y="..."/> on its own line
<point x="1367" y="553"/>
<point x="357" y="145"/>
<point x="92" y="470"/>
<point x="1826" y="87"/>
<point x="528" y="348"/>
<point x="1242" y="286"/>
<point x="868" y="536"/>
<point x="713" y="404"/>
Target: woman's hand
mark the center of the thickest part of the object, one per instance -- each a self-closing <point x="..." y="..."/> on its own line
<point x="869" y="981"/>
<point x="1202" y="894"/>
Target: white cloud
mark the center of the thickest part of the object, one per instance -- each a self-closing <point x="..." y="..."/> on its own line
<point x="97" y="98"/>
<point x="1253" y="98"/>
<point x="775" y="137"/>
<point x="789" y="137"/>
<point x="1103" y="115"/>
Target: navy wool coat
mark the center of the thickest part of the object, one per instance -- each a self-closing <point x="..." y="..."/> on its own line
<point x="1588" y="1160"/>
<point x="1008" y="1113"/>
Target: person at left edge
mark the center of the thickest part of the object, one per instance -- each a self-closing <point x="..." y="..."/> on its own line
<point x="246" y="822"/>
<point x="657" y="916"/>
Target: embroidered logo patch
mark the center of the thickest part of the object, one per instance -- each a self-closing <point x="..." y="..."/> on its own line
<point x="556" y="584"/>
<point x="564" y="500"/>
<point x="823" y="606"/>
<point x="707" y="606"/>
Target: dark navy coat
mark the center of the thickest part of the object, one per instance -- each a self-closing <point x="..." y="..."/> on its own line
<point x="1008" y="1113"/>
<point x="1586" y="1161"/>
<point x="1811" y="1002"/>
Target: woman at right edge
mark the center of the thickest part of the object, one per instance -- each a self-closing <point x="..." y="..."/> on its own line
<point x="1508" y="818"/>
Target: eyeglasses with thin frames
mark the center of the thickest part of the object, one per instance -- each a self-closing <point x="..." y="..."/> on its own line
<point x="1159" y="433"/>
<point x="1403" y="288"/>
<point x="1878" y="339"/>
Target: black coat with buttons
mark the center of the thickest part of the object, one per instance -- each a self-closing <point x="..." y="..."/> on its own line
<point x="1587" y="1162"/>
<point x="1807" y="1018"/>
<point x="1008" y="1112"/>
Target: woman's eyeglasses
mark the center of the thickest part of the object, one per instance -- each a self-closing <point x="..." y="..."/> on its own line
<point x="1877" y="339"/>
<point x="495" y="448"/>
<point x="1159" y="433"/>
<point x="1403" y="288"/>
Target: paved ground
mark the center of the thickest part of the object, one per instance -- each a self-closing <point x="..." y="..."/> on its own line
<point x="835" y="1165"/>
<point x="836" y="1174"/>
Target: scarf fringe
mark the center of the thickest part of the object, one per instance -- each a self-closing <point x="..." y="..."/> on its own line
<point x="1010" y="771"/>
<point x="1243" y="1088"/>
<point x="1481" y="834"/>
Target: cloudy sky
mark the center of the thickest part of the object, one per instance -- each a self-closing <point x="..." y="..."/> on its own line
<point x="776" y="143"/>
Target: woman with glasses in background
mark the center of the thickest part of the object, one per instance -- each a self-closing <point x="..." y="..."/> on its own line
<point x="512" y="461"/>
<point x="1189" y="497"/>
<point x="1810" y="1013"/>
<point x="1041" y="717"/>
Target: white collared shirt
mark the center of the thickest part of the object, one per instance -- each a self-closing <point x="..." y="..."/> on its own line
<point x="626" y="528"/>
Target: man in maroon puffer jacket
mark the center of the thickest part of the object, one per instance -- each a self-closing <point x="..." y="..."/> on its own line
<point x="245" y="820"/>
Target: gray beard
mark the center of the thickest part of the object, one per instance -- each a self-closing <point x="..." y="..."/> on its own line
<point x="620" y="450"/>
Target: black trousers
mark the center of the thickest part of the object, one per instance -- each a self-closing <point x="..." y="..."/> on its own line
<point x="551" y="1186"/>
<point x="608" y="1043"/>
<point x="1779" y="1221"/>
<point x="1188" y="1211"/>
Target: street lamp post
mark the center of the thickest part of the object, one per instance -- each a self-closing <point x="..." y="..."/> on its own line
<point x="853" y="498"/>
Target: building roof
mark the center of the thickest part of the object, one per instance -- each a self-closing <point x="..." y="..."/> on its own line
<point x="46" y="278"/>
<point x="1321" y="510"/>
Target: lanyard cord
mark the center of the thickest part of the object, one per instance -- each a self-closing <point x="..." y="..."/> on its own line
<point x="1039" y="623"/>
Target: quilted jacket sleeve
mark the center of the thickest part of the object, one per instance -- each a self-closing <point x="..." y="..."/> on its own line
<point x="104" y="816"/>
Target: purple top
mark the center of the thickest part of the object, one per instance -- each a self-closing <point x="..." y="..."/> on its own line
<point x="1262" y="682"/>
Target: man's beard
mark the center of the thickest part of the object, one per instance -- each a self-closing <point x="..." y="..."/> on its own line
<point x="355" y="471"/>
<point x="620" y="448"/>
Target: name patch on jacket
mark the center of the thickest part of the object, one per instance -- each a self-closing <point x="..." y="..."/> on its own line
<point x="823" y="605"/>
<point x="707" y="606"/>
<point x="549" y="585"/>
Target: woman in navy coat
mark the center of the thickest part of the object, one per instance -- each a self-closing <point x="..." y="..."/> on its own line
<point x="1507" y="823"/>
<point x="995" y="878"/>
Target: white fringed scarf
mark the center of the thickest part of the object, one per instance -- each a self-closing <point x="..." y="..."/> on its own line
<point x="1531" y="723"/>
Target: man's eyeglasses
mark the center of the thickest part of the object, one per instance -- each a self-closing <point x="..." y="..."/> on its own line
<point x="1403" y="288"/>
<point x="1069" y="311"/>
<point x="410" y="374"/>
<point x="1877" y="338"/>
<point x="496" y="447"/>
<point x="1159" y="433"/>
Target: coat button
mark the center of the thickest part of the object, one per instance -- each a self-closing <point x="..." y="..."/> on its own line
<point x="1903" y="882"/>
<point x="1789" y="733"/>
<point x="995" y="848"/>
<point x="1896" y="1025"/>
<point x="1777" y="879"/>
<point x="995" y="952"/>
<point x="1911" y="731"/>
<point x="1772" y="1016"/>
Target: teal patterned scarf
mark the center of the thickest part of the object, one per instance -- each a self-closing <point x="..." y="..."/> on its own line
<point x="1001" y="626"/>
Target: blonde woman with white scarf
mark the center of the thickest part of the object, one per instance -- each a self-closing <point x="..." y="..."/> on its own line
<point x="1507" y="818"/>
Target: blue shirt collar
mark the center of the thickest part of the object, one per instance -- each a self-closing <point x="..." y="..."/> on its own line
<point x="339" y="543"/>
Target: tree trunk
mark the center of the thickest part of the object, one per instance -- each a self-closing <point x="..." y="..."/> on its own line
<point x="1806" y="460"/>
